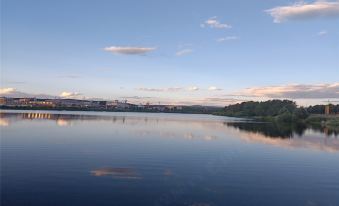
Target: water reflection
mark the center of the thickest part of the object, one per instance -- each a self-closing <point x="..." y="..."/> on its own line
<point x="275" y="130"/>
<point x="63" y="122"/>
<point x="60" y="119"/>
<point x="201" y="204"/>
<point x="191" y="136"/>
<point x="4" y="122"/>
<point x="119" y="173"/>
<point x="309" y="141"/>
<point x="168" y="172"/>
<point x="196" y="129"/>
<point x="163" y="159"/>
<point x="270" y="129"/>
<point x="63" y="119"/>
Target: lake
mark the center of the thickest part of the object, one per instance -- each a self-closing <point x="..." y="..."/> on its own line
<point x="101" y="158"/>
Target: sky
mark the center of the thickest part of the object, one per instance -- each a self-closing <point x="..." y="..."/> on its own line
<point x="214" y="52"/>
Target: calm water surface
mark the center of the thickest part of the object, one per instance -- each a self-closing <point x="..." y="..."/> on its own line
<point x="98" y="158"/>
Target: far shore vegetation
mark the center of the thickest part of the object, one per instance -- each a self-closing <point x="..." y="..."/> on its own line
<point x="285" y="112"/>
<point x="273" y="111"/>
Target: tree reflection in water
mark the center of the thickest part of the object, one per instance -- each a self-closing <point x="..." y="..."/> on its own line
<point x="280" y="130"/>
<point x="274" y="130"/>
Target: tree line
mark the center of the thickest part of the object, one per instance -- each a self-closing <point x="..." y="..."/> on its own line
<point x="281" y="110"/>
<point x="320" y="109"/>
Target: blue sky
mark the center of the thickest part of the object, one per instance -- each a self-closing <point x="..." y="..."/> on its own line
<point x="187" y="52"/>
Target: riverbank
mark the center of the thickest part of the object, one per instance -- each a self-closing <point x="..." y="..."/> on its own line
<point x="185" y="109"/>
<point x="328" y="121"/>
<point x="316" y="121"/>
<point x="313" y="120"/>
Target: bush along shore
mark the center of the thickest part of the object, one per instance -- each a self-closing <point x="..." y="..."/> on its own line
<point x="283" y="112"/>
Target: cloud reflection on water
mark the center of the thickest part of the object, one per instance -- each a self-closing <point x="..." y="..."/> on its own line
<point x="312" y="142"/>
<point x="4" y="122"/>
<point x="63" y="122"/>
<point x="197" y="129"/>
<point x="116" y="172"/>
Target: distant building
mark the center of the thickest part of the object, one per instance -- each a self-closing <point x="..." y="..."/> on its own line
<point x="140" y="106"/>
<point x="24" y="101"/>
<point x="98" y="104"/>
<point x="85" y="104"/>
<point x="116" y="104"/>
<point x="13" y="101"/>
<point x="71" y="103"/>
<point x="38" y="102"/>
<point x="164" y="108"/>
<point x="173" y="107"/>
<point x="2" y="101"/>
<point x="327" y="109"/>
<point x="160" y="108"/>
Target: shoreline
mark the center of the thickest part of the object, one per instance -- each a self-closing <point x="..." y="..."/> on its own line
<point x="314" y="120"/>
<point x="101" y="110"/>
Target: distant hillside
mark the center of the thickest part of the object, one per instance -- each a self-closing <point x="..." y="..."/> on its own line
<point x="282" y="110"/>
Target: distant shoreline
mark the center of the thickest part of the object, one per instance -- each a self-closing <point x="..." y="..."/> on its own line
<point x="314" y="120"/>
<point x="99" y="110"/>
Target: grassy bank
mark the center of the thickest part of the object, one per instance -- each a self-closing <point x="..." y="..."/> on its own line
<point x="329" y="121"/>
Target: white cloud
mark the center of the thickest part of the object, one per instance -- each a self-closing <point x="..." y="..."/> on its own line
<point x="206" y="101"/>
<point x="176" y="89"/>
<point x="15" y="82"/>
<point x="193" y="88"/>
<point x="219" y="101"/>
<point x="70" y="94"/>
<point x="69" y="76"/>
<point x="6" y="90"/>
<point x="129" y="50"/>
<point x="322" y="33"/>
<point x="14" y="93"/>
<point x="170" y="89"/>
<point x="228" y="38"/>
<point x="213" y="88"/>
<point x="302" y="10"/>
<point x="294" y="91"/>
<point x="214" y="23"/>
<point x="183" y="52"/>
<point x="135" y="97"/>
